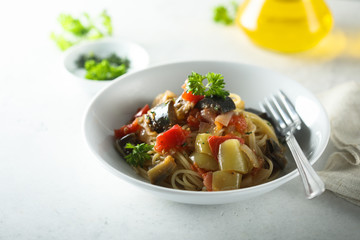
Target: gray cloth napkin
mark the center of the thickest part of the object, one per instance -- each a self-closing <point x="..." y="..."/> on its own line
<point x="342" y="170"/>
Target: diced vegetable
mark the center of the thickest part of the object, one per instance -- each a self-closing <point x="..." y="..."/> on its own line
<point x="208" y="114"/>
<point x="120" y="144"/>
<point x="202" y="144"/>
<point x="223" y="180"/>
<point x="162" y="116"/>
<point x="142" y="111"/>
<point x="162" y="170"/>
<point x="224" y="118"/>
<point x="172" y="138"/>
<point x="188" y="96"/>
<point x="254" y="160"/>
<point x="205" y="161"/>
<point x="219" y="104"/>
<point x="124" y="130"/>
<point x="163" y="97"/>
<point x="194" y="118"/>
<point x="239" y="122"/>
<point x="231" y="158"/>
<point x="208" y="180"/>
<point x="215" y="141"/>
<point x="274" y="152"/>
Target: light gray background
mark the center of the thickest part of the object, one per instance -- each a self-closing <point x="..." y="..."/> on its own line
<point x="51" y="187"/>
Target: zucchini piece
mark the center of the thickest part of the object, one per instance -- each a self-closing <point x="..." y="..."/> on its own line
<point x="223" y="180"/>
<point x="204" y="161"/>
<point x="231" y="158"/>
<point x="202" y="144"/>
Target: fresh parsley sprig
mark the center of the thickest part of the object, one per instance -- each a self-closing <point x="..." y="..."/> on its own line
<point x="214" y="87"/>
<point x="225" y="14"/>
<point x="139" y="153"/>
<point x="74" y="30"/>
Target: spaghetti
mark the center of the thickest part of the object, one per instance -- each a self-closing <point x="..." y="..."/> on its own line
<point x="201" y="145"/>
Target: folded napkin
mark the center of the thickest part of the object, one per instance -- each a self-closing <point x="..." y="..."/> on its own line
<point x="342" y="170"/>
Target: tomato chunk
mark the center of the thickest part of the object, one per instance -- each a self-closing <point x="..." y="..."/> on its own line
<point x="142" y="111"/>
<point x="124" y="130"/>
<point x="208" y="180"/>
<point x="172" y="138"/>
<point x="215" y="141"/>
<point x="239" y="122"/>
<point x="194" y="118"/>
<point x="206" y="176"/>
<point x="188" y="96"/>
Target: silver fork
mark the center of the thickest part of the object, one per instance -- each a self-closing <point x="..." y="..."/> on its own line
<point x="287" y="121"/>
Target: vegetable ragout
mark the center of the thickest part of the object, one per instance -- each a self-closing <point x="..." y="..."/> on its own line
<point x="202" y="140"/>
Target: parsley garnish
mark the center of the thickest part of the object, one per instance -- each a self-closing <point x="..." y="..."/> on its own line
<point x="139" y="154"/>
<point x="214" y="87"/>
<point x="225" y="14"/>
<point x="103" y="70"/>
<point x="75" y="30"/>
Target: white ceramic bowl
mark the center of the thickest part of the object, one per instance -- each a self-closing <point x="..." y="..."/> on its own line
<point x="137" y="55"/>
<point x="114" y="106"/>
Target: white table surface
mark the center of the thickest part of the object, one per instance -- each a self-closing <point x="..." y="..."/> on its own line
<point x="51" y="186"/>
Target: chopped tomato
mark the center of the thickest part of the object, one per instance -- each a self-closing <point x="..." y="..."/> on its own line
<point x="194" y="118"/>
<point x="172" y="138"/>
<point x="208" y="180"/>
<point x="188" y="96"/>
<point x="215" y="141"/>
<point x="239" y="122"/>
<point x="206" y="176"/>
<point x="124" y="130"/>
<point x="142" y="111"/>
<point x="199" y="170"/>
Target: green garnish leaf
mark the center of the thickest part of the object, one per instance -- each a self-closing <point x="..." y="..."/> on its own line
<point x="139" y="154"/>
<point x="75" y="30"/>
<point x="103" y="70"/>
<point x="107" y="22"/>
<point x="225" y="14"/>
<point x="73" y="25"/>
<point x="195" y="84"/>
<point x="214" y="87"/>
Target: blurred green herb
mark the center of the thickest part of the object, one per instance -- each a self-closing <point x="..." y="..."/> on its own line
<point x="75" y="30"/>
<point x="225" y="14"/>
<point x="98" y="68"/>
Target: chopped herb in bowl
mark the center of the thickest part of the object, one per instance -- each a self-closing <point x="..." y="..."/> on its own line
<point x="98" y="68"/>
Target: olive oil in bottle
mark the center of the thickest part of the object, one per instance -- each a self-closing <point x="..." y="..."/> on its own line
<point x="285" y="25"/>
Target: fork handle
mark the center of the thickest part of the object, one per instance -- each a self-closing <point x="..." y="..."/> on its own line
<point x="313" y="184"/>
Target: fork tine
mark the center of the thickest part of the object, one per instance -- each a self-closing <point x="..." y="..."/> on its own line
<point x="271" y="110"/>
<point x="285" y="116"/>
<point x="289" y="107"/>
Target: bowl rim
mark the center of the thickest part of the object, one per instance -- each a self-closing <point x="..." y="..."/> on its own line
<point x="148" y="186"/>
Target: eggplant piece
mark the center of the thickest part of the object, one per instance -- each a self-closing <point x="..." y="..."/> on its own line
<point x="162" y="117"/>
<point x="121" y="143"/>
<point x="274" y="152"/>
<point x="162" y="170"/>
<point x="219" y="104"/>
